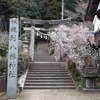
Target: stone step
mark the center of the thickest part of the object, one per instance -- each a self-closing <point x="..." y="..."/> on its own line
<point x="47" y="69"/>
<point x="49" y="66"/>
<point x="46" y="81"/>
<point x="46" y="64"/>
<point x="56" y="71"/>
<point x="44" y="59"/>
<point x="47" y="75"/>
<point x="48" y="78"/>
<point x="55" y="66"/>
<point x="49" y="84"/>
<point x="59" y="67"/>
<point x="49" y="87"/>
<point x="45" y="55"/>
<point x="48" y="72"/>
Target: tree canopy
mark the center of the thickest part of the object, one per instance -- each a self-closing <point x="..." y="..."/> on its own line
<point x="24" y="8"/>
<point x="36" y="9"/>
<point x="71" y="4"/>
<point x="50" y="9"/>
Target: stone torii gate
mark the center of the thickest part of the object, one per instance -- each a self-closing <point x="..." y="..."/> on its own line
<point x="42" y="22"/>
<point x="32" y="39"/>
<point x="46" y="24"/>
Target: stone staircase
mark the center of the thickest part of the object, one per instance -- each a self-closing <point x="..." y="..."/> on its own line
<point x="45" y="73"/>
<point x="43" y="53"/>
<point x="43" y="58"/>
<point x="48" y="75"/>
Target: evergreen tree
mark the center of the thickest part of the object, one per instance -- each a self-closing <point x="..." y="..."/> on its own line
<point x="5" y="9"/>
<point x="71" y="4"/>
<point x="24" y="8"/>
<point x="36" y="9"/>
<point x="50" y="9"/>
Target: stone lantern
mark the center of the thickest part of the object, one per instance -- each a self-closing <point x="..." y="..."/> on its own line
<point x="91" y="68"/>
<point x="25" y="46"/>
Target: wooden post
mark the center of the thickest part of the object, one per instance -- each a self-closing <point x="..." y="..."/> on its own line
<point x="12" y="59"/>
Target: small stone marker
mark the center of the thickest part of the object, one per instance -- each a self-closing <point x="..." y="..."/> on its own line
<point x="12" y="59"/>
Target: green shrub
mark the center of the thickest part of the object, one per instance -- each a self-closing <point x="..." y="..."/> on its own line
<point x="4" y="52"/>
<point x="2" y="64"/>
<point x="98" y="82"/>
<point x="76" y="74"/>
<point x="80" y="83"/>
<point x="35" y="47"/>
<point x="52" y="51"/>
<point x="23" y="62"/>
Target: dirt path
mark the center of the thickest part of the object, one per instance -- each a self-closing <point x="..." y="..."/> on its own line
<point x="55" y="95"/>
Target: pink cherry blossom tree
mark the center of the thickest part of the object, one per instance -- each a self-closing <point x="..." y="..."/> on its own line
<point x="70" y="41"/>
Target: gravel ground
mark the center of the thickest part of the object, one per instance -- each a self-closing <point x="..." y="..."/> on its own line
<point x="55" y="95"/>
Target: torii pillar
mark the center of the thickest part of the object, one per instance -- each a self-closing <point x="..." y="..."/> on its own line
<point x="32" y="43"/>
